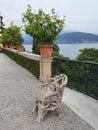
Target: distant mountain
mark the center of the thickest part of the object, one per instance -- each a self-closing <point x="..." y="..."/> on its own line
<point x="68" y="37"/>
<point x="67" y="31"/>
<point x="76" y="37"/>
<point x="27" y="39"/>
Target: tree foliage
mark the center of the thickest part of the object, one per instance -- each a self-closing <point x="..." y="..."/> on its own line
<point x="36" y="45"/>
<point x="88" y="54"/>
<point x="12" y="35"/>
<point x="42" y="26"/>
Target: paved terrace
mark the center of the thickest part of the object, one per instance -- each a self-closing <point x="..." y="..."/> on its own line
<point x="18" y="89"/>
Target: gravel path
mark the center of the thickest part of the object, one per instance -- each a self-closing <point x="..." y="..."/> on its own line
<point x="18" y="89"/>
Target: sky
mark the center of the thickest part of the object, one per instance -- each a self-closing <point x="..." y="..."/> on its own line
<point x="81" y="15"/>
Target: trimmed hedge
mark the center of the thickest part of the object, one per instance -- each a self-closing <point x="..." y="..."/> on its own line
<point x="29" y="64"/>
<point x="83" y="76"/>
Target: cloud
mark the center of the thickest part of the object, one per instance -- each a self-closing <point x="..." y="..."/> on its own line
<point x="80" y="14"/>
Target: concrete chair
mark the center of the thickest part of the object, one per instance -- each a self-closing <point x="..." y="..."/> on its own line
<point x="50" y="96"/>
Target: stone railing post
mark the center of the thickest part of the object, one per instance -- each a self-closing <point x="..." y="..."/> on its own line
<point x="45" y="69"/>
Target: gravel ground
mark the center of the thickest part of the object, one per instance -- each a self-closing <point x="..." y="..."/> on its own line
<point x="18" y="89"/>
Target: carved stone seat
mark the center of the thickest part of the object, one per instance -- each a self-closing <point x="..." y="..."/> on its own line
<point x="50" y="96"/>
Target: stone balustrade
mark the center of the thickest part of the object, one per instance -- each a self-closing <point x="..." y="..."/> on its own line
<point x="45" y="64"/>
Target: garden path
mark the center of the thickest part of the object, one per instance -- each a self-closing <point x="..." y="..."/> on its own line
<point x="18" y="90"/>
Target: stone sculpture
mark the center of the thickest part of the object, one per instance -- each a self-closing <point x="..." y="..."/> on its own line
<point x="50" y="96"/>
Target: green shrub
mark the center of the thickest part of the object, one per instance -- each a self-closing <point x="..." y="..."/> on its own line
<point x="82" y="76"/>
<point x="29" y="64"/>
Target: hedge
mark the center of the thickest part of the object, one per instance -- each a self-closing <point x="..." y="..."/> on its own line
<point x="83" y="76"/>
<point x="31" y="65"/>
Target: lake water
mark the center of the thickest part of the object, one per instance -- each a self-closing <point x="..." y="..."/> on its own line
<point x="69" y="50"/>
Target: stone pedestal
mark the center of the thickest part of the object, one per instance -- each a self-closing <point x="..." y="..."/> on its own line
<point x="45" y="69"/>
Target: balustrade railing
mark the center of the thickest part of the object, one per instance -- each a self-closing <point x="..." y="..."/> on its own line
<point x="36" y="64"/>
<point x="83" y="76"/>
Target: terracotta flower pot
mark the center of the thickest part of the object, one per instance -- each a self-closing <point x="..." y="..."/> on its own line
<point x="46" y="50"/>
<point x="11" y="46"/>
<point x="5" y="46"/>
<point x="20" y="48"/>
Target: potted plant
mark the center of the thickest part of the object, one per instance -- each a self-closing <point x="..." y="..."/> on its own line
<point x="12" y="36"/>
<point x="42" y="26"/>
<point x="20" y="48"/>
<point x="5" y="46"/>
<point x="11" y="46"/>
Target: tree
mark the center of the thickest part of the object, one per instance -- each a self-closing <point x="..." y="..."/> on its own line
<point x="43" y="27"/>
<point x="12" y="35"/>
<point x="88" y="54"/>
<point x="36" y="45"/>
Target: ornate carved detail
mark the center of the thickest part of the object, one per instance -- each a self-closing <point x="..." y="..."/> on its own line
<point x="50" y="96"/>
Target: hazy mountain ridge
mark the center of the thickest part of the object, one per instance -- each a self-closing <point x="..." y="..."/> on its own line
<point x="68" y="37"/>
<point x="27" y="39"/>
<point x="76" y="37"/>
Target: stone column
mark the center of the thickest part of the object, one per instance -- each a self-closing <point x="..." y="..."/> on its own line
<point x="45" y="69"/>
